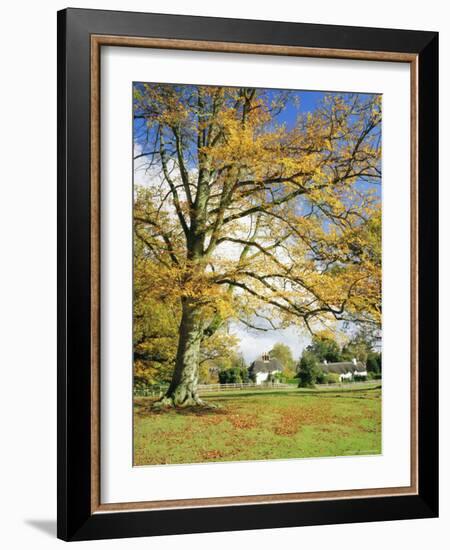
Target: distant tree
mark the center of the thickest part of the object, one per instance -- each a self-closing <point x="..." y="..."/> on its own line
<point x="325" y="348"/>
<point x="219" y="352"/>
<point x="283" y="353"/>
<point x="355" y="350"/>
<point x="245" y="375"/>
<point x="308" y="370"/>
<point x="374" y="362"/>
<point x="155" y="329"/>
<point x="360" y="346"/>
<point x="237" y="360"/>
<point x="233" y="369"/>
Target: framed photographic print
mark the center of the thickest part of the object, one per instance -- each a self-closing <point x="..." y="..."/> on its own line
<point x="247" y="274"/>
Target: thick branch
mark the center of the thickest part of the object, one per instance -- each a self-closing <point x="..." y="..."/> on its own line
<point x="176" y="199"/>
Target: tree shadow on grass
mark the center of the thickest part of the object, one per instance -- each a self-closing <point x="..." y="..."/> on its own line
<point x="294" y="393"/>
<point x="195" y="411"/>
<point x="336" y="392"/>
<point x="145" y="409"/>
<point x="142" y="406"/>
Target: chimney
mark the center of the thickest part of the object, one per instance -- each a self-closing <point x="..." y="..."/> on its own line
<point x="355" y="362"/>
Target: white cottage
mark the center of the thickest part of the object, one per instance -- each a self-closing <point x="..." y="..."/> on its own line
<point x="264" y="368"/>
<point x="347" y="370"/>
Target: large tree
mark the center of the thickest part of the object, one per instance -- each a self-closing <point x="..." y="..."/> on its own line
<point x="249" y="218"/>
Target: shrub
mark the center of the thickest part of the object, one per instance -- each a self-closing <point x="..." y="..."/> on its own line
<point x="308" y="370"/>
<point x="244" y="375"/>
<point x="322" y="377"/>
<point x="234" y="375"/>
<point x="332" y="378"/>
<point x="374" y="362"/>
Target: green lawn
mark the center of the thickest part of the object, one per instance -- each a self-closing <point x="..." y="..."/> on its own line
<point x="261" y="425"/>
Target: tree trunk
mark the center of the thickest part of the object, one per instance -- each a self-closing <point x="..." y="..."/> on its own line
<point x="182" y="391"/>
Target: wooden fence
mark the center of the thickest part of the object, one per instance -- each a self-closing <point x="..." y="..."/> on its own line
<point x="152" y="391"/>
<point x="205" y="388"/>
<point x="156" y="391"/>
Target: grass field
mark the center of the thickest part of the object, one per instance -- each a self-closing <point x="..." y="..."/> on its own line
<point x="250" y="425"/>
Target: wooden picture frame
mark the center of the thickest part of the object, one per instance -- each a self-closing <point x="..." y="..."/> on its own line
<point x="81" y="35"/>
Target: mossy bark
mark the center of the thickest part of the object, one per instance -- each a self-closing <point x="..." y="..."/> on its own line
<point x="182" y="391"/>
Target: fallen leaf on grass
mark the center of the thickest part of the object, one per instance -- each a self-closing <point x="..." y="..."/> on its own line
<point x="214" y="453"/>
<point x="291" y="421"/>
<point x="242" y="422"/>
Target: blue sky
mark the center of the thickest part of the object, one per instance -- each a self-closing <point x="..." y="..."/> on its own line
<point x="308" y="102"/>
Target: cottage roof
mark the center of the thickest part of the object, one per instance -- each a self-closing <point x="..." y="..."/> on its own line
<point x="343" y="367"/>
<point x="271" y="365"/>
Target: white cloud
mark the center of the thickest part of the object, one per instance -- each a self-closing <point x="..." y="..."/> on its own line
<point x="253" y="343"/>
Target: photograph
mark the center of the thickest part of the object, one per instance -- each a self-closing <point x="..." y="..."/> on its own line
<point x="257" y="273"/>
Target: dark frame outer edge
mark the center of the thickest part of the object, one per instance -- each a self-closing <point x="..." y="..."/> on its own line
<point x="61" y="281"/>
<point x="75" y="521"/>
<point x="428" y="166"/>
